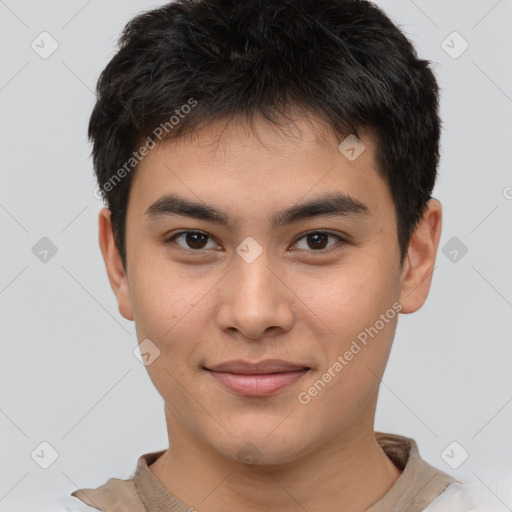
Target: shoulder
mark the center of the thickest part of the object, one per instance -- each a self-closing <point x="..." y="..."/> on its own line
<point x="115" y="495"/>
<point x="490" y="494"/>
<point x="70" y="503"/>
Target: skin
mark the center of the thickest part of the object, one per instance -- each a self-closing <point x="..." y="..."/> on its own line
<point x="293" y="302"/>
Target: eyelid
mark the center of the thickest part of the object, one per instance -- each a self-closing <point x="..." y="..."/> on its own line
<point x="341" y="239"/>
<point x="170" y="239"/>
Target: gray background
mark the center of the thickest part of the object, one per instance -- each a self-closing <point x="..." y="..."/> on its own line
<point x="67" y="369"/>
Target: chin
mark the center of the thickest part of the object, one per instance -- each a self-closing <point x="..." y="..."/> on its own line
<point x="262" y="443"/>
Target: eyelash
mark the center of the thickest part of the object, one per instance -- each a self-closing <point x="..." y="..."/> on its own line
<point x="170" y="240"/>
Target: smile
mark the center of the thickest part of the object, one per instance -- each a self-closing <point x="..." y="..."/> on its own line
<point x="257" y="379"/>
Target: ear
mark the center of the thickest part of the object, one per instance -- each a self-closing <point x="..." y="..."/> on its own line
<point x="113" y="263"/>
<point x="420" y="260"/>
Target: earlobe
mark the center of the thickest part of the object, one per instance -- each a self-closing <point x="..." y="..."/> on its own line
<point x="421" y="258"/>
<point x="113" y="264"/>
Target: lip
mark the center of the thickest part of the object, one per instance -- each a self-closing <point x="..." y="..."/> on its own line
<point x="266" y="366"/>
<point x="257" y="379"/>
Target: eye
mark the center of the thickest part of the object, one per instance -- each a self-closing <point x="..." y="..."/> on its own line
<point x="318" y="240"/>
<point x="315" y="241"/>
<point x="194" y="240"/>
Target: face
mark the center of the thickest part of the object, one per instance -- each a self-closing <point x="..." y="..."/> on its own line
<point x="272" y="312"/>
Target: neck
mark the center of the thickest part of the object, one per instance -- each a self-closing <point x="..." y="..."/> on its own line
<point x="350" y="472"/>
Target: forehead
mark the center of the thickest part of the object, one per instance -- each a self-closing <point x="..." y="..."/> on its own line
<point x="303" y="133"/>
<point x="259" y="163"/>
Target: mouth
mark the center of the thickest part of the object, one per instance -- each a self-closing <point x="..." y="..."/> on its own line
<point x="257" y="379"/>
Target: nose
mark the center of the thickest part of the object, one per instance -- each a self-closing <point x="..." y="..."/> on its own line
<point x="256" y="301"/>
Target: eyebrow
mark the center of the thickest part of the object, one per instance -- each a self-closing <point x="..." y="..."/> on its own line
<point x="338" y="204"/>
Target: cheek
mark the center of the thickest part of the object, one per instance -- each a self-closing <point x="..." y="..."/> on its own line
<point x="351" y="303"/>
<point x="169" y="309"/>
<point x="354" y="358"/>
<point x="171" y="314"/>
<point x="349" y="298"/>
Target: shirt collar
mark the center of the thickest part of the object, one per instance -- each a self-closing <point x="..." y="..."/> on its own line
<point x="418" y="485"/>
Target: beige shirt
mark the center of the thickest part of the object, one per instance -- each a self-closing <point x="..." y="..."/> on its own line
<point x="417" y="486"/>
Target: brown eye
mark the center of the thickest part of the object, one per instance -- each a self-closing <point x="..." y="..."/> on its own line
<point x="318" y="240"/>
<point x="194" y="240"/>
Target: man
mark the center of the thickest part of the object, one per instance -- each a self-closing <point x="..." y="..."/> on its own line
<point x="268" y="170"/>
